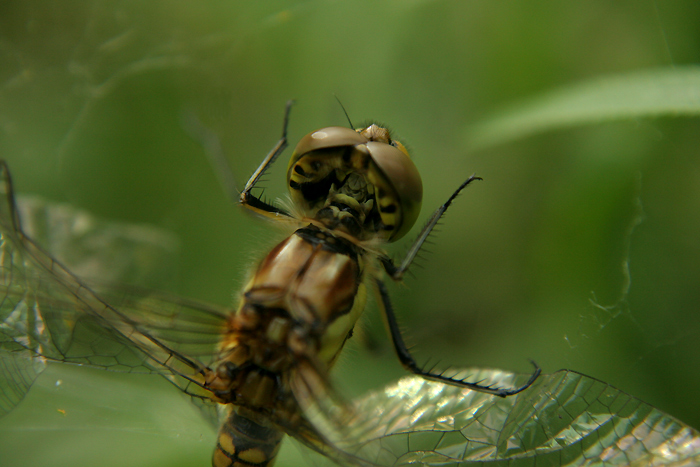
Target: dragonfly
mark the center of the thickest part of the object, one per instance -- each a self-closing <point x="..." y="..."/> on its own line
<point x="264" y="363"/>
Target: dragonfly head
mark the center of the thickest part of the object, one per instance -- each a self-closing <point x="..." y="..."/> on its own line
<point x="359" y="181"/>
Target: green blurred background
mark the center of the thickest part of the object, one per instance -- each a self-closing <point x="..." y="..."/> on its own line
<point x="528" y="264"/>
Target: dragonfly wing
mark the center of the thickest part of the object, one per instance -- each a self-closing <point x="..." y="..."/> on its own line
<point x="91" y="248"/>
<point x="414" y="421"/>
<point x="565" y="418"/>
<point x="329" y="419"/>
<point x="48" y="313"/>
<point x="18" y="370"/>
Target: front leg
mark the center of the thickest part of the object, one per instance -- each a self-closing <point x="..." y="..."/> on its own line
<point x="254" y="203"/>
<point x="397" y="272"/>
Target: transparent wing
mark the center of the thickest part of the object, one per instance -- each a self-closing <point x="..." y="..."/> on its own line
<point x="564" y="419"/>
<point x="107" y="251"/>
<point x="329" y="421"/>
<point x="48" y="313"/>
<point x="399" y="425"/>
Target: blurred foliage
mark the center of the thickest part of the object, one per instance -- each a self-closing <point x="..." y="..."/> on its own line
<point x="579" y="250"/>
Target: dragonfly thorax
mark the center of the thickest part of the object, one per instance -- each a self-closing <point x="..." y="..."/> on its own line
<point x="300" y="305"/>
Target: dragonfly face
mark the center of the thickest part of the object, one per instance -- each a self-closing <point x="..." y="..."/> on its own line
<point x="267" y="360"/>
<point x="360" y="182"/>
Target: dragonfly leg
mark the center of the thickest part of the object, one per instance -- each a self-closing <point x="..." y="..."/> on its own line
<point x="410" y="364"/>
<point x="395" y="271"/>
<point x="254" y="203"/>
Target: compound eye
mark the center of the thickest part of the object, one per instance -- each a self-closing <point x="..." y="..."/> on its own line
<point x="398" y="188"/>
<point x="325" y="138"/>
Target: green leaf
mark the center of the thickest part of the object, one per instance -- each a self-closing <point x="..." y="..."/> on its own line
<point x="644" y="94"/>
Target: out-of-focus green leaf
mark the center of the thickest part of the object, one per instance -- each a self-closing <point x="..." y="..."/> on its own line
<point x="653" y="93"/>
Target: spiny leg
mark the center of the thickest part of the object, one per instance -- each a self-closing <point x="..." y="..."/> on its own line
<point x="410" y="364"/>
<point x="254" y="203"/>
<point x="397" y="272"/>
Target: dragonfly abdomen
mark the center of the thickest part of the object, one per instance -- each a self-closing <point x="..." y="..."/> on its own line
<point x="246" y="440"/>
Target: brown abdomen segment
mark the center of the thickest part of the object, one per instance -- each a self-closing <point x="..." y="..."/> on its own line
<point x="245" y="442"/>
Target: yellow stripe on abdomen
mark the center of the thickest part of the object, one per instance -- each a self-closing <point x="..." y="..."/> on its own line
<point x="244" y="442"/>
